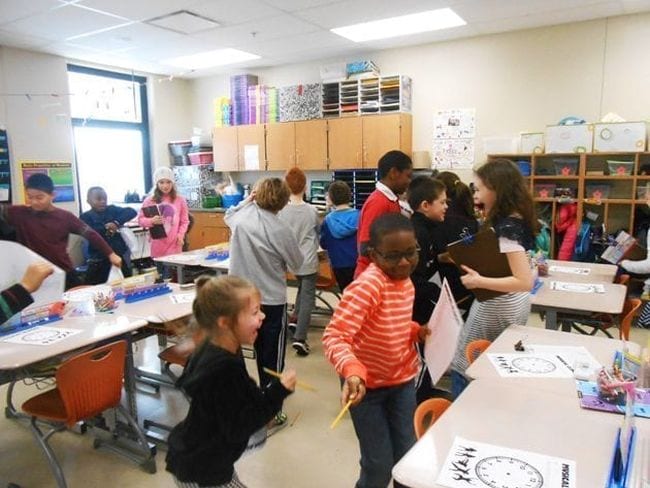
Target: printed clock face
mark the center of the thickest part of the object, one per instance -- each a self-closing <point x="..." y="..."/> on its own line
<point x="507" y="472"/>
<point x="531" y="364"/>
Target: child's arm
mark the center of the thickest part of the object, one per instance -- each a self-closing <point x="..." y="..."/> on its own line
<point x="521" y="279"/>
<point x="123" y="214"/>
<point x="79" y="227"/>
<point x="184" y="220"/>
<point x="147" y="222"/>
<point x="325" y="236"/>
<point x="229" y="216"/>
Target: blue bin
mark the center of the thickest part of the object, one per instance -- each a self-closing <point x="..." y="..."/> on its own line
<point x="231" y="200"/>
<point x="524" y="167"/>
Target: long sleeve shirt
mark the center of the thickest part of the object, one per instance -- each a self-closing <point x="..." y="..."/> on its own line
<point x="98" y="220"/>
<point x="303" y="221"/>
<point x="371" y="334"/>
<point x="46" y="233"/>
<point x="262" y="248"/>
<point x="175" y="217"/>
<point x="12" y="301"/>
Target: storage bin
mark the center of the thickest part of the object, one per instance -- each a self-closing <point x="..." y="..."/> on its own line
<point x="200" y="157"/>
<point x="211" y="201"/>
<point x="544" y="190"/>
<point x="531" y="142"/>
<point x="568" y="138"/>
<point x="620" y="168"/>
<point x="566" y="166"/>
<point x="643" y="192"/>
<point x="597" y="191"/>
<point x="524" y="167"/>
<point x="565" y="192"/>
<point x="620" y="137"/>
<point x="231" y="200"/>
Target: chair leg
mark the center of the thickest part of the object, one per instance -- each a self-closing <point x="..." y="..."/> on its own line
<point x="10" y="410"/>
<point x="41" y="439"/>
<point x="149" y="462"/>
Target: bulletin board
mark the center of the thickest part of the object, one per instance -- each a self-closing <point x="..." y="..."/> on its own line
<point x="60" y="172"/>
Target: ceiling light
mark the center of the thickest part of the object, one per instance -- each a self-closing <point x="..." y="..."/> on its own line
<point x="209" y="59"/>
<point x="404" y="25"/>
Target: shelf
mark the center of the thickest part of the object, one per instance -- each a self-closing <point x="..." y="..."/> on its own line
<point x="555" y="177"/>
<point x="609" y="177"/>
<point x="615" y="201"/>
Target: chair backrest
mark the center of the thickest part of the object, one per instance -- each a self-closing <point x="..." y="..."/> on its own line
<point x="623" y="279"/>
<point x="326" y="278"/>
<point x="91" y="382"/>
<point x="475" y="348"/>
<point x="427" y="413"/>
<point x="630" y="309"/>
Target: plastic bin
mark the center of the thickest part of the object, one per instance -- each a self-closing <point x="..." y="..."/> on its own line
<point x="200" y="157"/>
<point x="620" y="168"/>
<point x="524" y="167"/>
<point x="566" y="166"/>
<point x="211" y="201"/>
<point x="231" y="200"/>
<point x="597" y="191"/>
<point x="565" y="192"/>
<point x="544" y="190"/>
<point x="643" y="192"/>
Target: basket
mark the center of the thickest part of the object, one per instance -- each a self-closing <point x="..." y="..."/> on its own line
<point x="231" y="200"/>
<point x="597" y="191"/>
<point x="544" y="190"/>
<point x="200" y="157"/>
<point x="566" y="166"/>
<point x="620" y="168"/>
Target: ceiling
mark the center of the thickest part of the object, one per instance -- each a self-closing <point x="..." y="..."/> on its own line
<point x="122" y="33"/>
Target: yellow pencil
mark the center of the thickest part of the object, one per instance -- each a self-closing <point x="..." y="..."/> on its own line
<point x="301" y="384"/>
<point x="341" y="414"/>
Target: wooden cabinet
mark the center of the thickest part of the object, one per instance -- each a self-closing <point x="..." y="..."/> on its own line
<point x="224" y="149"/>
<point x="209" y="228"/>
<point x="280" y="146"/>
<point x="311" y="144"/>
<point x="250" y="138"/>
<point x="344" y="143"/>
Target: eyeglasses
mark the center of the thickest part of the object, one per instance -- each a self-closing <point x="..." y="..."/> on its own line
<point x="396" y="257"/>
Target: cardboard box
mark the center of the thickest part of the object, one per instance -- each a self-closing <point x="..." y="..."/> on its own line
<point x="620" y="136"/>
<point x="569" y="138"/>
<point x="531" y="142"/>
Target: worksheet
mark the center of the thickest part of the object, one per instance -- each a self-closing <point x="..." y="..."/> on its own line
<point x="40" y="336"/>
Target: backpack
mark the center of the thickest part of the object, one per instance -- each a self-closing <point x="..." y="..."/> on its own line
<point x="583" y="244"/>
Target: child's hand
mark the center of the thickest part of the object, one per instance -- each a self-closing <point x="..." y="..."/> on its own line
<point x="353" y="389"/>
<point x="251" y="196"/>
<point x="288" y="379"/>
<point x="35" y="275"/>
<point x="470" y="280"/>
<point x="423" y="333"/>
<point x="111" y="228"/>
<point x="180" y="240"/>
<point x="156" y="220"/>
<point x="115" y="260"/>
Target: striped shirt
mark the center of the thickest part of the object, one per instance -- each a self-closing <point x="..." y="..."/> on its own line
<point x="371" y="334"/>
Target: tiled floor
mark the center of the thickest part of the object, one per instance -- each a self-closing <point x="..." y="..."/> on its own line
<point x="304" y="454"/>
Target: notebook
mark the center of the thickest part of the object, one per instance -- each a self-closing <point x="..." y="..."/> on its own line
<point x="624" y="247"/>
<point x="481" y="253"/>
<point x="157" y="231"/>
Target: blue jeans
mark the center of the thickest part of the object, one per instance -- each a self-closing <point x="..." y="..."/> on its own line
<point x="383" y="422"/>
<point x="458" y="383"/>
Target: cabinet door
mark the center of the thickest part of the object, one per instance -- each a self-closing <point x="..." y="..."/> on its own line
<point x="224" y="148"/>
<point x="311" y="144"/>
<point x="195" y="235"/>
<point x="213" y="234"/>
<point x="280" y="146"/>
<point x="251" y="148"/>
<point x="381" y="133"/>
<point x="344" y="143"/>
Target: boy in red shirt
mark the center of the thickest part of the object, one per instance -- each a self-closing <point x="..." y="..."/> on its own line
<point x="394" y="171"/>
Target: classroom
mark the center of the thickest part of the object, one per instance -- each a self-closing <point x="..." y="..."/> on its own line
<point x="212" y="100"/>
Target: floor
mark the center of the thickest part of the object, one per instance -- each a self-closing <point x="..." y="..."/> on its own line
<point x="306" y="453"/>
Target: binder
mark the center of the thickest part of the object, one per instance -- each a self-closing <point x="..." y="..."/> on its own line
<point x="481" y="253"/>
<point x="156" y="231"/>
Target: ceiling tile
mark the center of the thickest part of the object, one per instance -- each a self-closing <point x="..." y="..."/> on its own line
<point x="11" y="10"/>
<point x="482" y="10"/>
<point x="184" y="22"/>
<point x="140" y="9"/>
<point x="293" y="5"/>
<point x="229" y="12"/>
<point x="631" y="6"/>
<point x="321" y="40"/>
<point x="22" y="41"/>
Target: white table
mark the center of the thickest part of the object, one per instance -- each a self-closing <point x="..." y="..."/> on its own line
<point x="161" y="308"/>
<point x="193" y="258"/>
<point x="495" y="412"/>
<point x="598" y="272"/>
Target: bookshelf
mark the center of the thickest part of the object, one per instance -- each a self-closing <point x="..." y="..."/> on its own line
<point x="366" y="96"/>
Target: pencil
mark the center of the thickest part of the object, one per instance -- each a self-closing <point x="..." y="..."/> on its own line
<point x="301" y="384"/>
<point x="341" y="414"/>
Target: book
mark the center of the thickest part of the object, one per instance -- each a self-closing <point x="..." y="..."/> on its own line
<point x="624" y="247"/>
<point x="156" y="231"/>
<point x="481" y="253"/>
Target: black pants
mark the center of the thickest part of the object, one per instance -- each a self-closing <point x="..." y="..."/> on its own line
<point x="344" y="276"/>
<point x="72" y="280"/>
<point x="98" y="271"/>
<point x="271" y="341"/>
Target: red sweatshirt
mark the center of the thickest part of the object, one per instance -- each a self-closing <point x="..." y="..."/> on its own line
<point x="371" y="334"/>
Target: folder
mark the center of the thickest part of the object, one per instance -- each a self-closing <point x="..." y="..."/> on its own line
<point x="157" y="231"/>
<point x="481" y="252"/>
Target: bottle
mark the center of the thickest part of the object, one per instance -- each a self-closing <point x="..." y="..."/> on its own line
<point x="247" y="191"/>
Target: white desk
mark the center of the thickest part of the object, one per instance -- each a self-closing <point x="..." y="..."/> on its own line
<point x="495" y="412"/>
<point x="193" y="258"/>
<point x="160" y="309"/>
<point x="598" y="272"/>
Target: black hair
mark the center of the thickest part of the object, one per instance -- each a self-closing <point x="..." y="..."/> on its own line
<point x="93" y="189"/>
<point x="423" y="189"/>
<point x="339" y="192"/>
<point x="40" y="181"/>
<point x="459" y="195"/>
<point x="388" y="224"/>
<point x="393" y="159"/>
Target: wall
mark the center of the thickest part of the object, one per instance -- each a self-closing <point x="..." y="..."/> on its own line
<point x="517" y="81"/>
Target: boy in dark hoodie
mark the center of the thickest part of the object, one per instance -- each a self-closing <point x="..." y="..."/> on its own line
<point x="339" y="233"/>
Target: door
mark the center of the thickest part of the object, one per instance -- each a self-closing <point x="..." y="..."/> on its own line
<point x="311" y="144"/>
<point x="381" y="133"/>
<point x="224" y="149"/>
<point x="280" y="146"/>
<point x="344" y="143"/>
<point x="251" y="149"/>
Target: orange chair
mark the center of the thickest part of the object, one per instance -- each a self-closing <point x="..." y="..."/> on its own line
<point x="475" y="348"/>
<point x="326" y="282"/>
<point x="427" y="413"/>
<point x="603" y="322"/>
<point x="86" y="385"/>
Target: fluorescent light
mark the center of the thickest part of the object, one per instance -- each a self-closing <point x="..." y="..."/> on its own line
<point x="209" y="59"/>
<point x="431" y="20"/>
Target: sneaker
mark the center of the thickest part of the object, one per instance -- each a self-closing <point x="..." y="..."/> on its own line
<point x="293" y="323"/>
<point x="301" y="347"/>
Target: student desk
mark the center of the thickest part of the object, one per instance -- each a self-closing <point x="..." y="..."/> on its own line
<point x="598" y="273"/>
<point x="496" y="412"/>
<point x="552" y="302"/>
<point x="161" y="308"/>
<point x="193" y="258"/>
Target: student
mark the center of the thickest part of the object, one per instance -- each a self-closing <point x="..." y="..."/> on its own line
<point x="338" y="235"/>
<point x="19" y="296"/>
<point x="370" y="341"/>
<point x="226" y="406"/>
<point x="106" y="220"/>
<point x="509" y="210"/>
<point x="303" y="220"/>
<point x="262" y="247"/>
<point x="394" y="171"/>
<point x="45" y="229"/>
<point x="174" y="217"/>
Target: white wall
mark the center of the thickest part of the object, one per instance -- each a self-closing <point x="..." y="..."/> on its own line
<point x="517" y="81"/>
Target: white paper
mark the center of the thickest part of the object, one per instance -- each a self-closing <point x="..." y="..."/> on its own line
<point x="543" y="361"/>
<point x="454" y="123"/>
<point x="569" y="269"/>
<point x="4" y="194"/>
<point x="15" y="260"/>
<point x="480" y="465"/>
<point x="577" y="287"/>
<point x="40" y="336"/>
<point x="445" y="324"/>
<point x="251" y="157"/>
<point x="182" y="297"/>
<point x="453" y="153"/>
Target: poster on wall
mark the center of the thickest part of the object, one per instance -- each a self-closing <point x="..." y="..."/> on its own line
<point x="59" y="171"/>
<point x="453" y="153"/>
<point x="453" y="138"/>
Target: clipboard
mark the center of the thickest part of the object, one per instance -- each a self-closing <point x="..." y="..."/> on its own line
<point x="481" y="252"/>
<point x="156" y="231"/>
